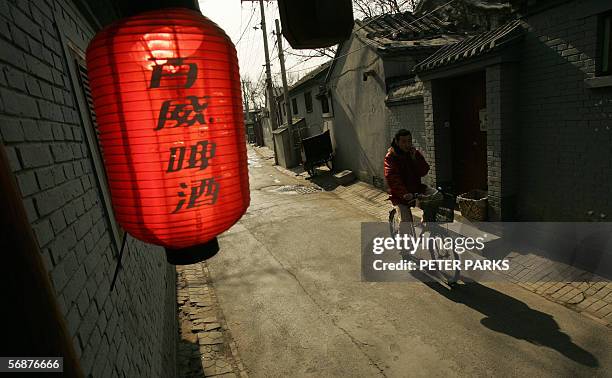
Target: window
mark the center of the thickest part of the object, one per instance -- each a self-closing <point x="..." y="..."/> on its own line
<point x="284" y="107"/>
<point x="308" y="101"/>
<point x="605" y="44"/>
<point x="325" y="104"/>
<point x="82" y="92"/>
<point x="294" y="105"/>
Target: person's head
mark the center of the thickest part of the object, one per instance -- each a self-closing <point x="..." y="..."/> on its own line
<point x="402" y="140"/>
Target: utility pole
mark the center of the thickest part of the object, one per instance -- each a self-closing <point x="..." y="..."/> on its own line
<point x="257" y="122"/>
<point x="281" y="57"/>
<point x="245" y="96"/>
<point x="271" y="99"/>
<point x="255" y="104"/>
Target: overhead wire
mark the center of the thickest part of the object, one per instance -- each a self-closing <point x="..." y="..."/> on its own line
<point x="251" y="37"/>
<point x="247" y="26"/>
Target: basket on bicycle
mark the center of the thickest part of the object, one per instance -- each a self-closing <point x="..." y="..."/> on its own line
<point x="437" y="207"/>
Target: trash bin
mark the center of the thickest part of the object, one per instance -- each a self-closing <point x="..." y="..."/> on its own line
<point x="473" y="205"/>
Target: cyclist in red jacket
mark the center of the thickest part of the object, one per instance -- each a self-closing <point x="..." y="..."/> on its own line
<point x="404" y="167"/>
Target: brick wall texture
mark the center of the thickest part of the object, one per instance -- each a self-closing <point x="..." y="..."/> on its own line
<point x="549" y="134"/>
<point x="410" y="117"/>
<point x="502" y="141"/>
<point x="407" y="116"/>
<point x="131" y="331"/>
<point x="566" y="127"/>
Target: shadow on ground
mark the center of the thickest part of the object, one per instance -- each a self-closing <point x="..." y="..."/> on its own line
<point x="189" y="359"/>
<point x="324" y="178"/>
<point x="508" y="315"/>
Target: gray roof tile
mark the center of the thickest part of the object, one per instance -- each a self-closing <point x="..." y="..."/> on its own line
<point x="405" y="30"/>
<point x="473" y="46"/>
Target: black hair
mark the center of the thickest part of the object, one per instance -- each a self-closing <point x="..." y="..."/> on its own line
<point x="398" y="134"/>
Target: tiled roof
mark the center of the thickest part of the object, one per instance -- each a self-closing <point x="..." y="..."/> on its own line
<point x="401" y="25"/>
<point x="311" y="75"/>
<point x="404" y="91"/>
<point x="405" y="30"/>
<point x="473" y="46"/>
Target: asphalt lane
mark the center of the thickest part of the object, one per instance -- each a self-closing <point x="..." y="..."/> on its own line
<point x="288" y="281"/>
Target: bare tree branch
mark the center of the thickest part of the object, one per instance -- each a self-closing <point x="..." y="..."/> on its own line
<point x="363" y="8"/>
<point x="308" y="56"/>
<point x="371" y="8"/>
<point x="329" y="52"/>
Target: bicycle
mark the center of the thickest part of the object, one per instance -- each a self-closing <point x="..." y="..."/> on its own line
<point x="438" y="207"/>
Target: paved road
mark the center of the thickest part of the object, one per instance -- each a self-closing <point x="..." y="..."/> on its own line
<point x="288" y="281"/>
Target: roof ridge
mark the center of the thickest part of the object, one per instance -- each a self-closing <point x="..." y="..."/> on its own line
<point x="472" y="46"/>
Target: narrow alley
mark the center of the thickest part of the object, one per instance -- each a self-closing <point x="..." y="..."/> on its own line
<point x="288" y="283"/>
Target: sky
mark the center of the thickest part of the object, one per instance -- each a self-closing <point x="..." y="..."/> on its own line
<point x="237" y="19"/>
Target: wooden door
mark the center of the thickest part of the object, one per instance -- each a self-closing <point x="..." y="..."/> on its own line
<point x="468" y="96"/>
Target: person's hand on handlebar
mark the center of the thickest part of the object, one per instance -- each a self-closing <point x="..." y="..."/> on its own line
<point x="409" y="197"/>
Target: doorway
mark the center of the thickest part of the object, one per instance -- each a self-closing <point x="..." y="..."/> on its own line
<point x="469" y="139"/>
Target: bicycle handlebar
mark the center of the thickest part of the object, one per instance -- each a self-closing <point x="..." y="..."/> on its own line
<point x="445" y="192"/>
<point x="415" y="196"/>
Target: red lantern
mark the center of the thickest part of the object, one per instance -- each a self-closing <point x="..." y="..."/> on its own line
<point x="166" y="93"/>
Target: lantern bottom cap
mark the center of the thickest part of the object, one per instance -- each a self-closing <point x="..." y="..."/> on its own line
<point x="193" y="254"/>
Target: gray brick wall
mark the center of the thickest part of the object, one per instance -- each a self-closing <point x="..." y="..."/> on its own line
<point x="410" y="117"/>
<point x="502" y="147"/>
<point x="438" y="138"/>
<point x="566" y="127"/>
<point x="128" y="332"/>
<point x="549" y="133"/>
<point x="429" y="151"/>
<point x="407" y="116"/>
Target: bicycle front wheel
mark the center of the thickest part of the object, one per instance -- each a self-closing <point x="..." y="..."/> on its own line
<point x="448" y="261"/>
<point x="400" y="223"/>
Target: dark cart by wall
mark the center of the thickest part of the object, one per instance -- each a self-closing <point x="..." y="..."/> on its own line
<point x="317" y="151"/>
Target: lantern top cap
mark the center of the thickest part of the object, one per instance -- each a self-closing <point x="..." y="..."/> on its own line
<point x="148" y="21"/>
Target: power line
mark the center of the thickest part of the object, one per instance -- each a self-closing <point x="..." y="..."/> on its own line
<point x="246" y="28"/>
<point x="274" y="49"/>
<point x="307" y="68"/>
<point x="251" y="45"/>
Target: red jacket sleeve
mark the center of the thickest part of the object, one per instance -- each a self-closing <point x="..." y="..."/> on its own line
<point x="420" y="164"/>
<point x="393" y="177"/>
